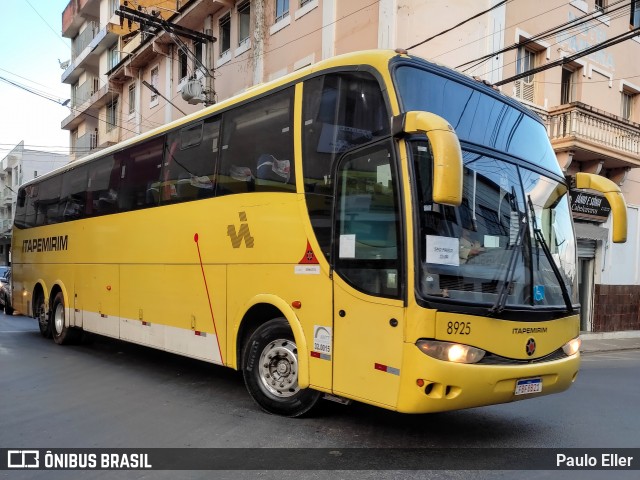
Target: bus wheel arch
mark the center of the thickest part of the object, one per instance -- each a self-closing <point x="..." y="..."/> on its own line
<point x="259" y="310"/>
<point x="40" y="310"/>
<point x="61" y="331"/>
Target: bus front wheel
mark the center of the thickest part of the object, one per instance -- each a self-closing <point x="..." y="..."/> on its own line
<point x="62" y="333"/>
<point x="270" y="369"/>
<point x="40" y="313"/>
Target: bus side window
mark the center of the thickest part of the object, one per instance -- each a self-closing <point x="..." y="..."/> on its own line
<point x="21" y="209"/>
<point x="102" y="187"/>
<point x="74" y="194"/>
<point x="30" y="207"/>
<point x="190" y="159"/>
<point x="368" y="222"/>
<point x="257" y="146"/>
<point x="47" y="204"/>
<point x="140" y="175"/>
<point x="340" y="111"/>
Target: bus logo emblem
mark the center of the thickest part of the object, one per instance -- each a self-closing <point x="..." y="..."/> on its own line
<point x="243" y="233"/>
<point x="531" y="346"/>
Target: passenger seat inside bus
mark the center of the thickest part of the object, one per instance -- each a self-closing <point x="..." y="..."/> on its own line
<point x="270" y="169"/>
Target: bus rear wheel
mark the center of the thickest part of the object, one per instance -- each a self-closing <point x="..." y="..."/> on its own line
<point x="62" y="333"/>
<point x="270" y="369"/>
<point x="40" y="313"/>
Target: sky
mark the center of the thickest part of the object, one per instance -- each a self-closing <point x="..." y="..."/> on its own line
<point x="31" y="44"/>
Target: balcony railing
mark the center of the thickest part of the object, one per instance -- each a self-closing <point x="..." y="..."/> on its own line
<point x="85" y="144"/>
<point x="583" y="122"/>
<point x="83" y="40"/>
<point x="84" y="91"/>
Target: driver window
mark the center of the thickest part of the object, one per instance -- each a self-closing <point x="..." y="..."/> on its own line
<point x="368" y="222"/>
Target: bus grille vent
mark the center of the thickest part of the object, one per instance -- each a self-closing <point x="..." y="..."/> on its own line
<point x="492" y="359"/>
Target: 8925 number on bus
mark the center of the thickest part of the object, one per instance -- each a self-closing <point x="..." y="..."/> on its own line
<point x="459" y="328"/>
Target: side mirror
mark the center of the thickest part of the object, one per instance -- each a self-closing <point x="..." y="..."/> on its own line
<point x="613" y="194"/>
<point x="447" y="154"/>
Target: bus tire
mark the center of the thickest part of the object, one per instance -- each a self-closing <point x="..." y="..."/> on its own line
<point x="270" y="370"/>
<point x="40" y="313"/>
<point x="62" y="333"/>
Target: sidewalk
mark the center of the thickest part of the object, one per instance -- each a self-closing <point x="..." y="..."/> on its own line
<point x="609" y="341"/>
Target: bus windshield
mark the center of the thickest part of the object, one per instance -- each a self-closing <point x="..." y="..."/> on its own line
<point x="510" y="243"/>
<point x="491" y="249"/>
<point x="476" y="116"/>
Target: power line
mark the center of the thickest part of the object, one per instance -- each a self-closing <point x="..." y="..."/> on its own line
<point x="33" y="91"/>
<point x="50" y="27"/>
<point x="501" y="30"/>
<point x="149" y="125"/>
<point x="559" y="29"/>
<point x="497" y="5"/>
<point x="562" y="61"/>
<point x="301" y="36"/>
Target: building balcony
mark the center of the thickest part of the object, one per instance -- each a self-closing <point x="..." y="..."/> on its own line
<point x="593" y="138"/>
<point x="89" y="58"/>
<point x="89" y="107"/>
<point x="76" y="13"/>
<point x="7" y="198"/>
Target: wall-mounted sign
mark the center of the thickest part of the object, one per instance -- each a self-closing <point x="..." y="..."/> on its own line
<point x="589" y="206"/>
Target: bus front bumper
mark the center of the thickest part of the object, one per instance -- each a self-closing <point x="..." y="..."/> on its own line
<point x="430" y="385"/>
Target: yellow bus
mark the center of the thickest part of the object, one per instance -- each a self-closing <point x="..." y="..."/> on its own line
<point x="373" y="228"/>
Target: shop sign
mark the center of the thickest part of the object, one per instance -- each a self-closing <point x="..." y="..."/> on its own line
<point x="589" y="206"/>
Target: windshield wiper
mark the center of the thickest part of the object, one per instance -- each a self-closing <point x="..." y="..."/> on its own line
<point x="547" y="252"/>
<point x="503" y="294"/>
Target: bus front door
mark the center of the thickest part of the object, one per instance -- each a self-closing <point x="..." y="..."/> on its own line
<point x="368" y="273"/>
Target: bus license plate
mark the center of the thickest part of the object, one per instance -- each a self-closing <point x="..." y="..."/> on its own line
<point x="528" y="385"/>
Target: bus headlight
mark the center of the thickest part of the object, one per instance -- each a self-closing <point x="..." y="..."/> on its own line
<point x="572" y="346"/>
<point x="450" y="352"/>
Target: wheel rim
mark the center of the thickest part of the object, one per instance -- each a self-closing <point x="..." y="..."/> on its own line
<point x="42" y="316"/>
<point x="58" y="319"/>
<point x="279" y="368"/>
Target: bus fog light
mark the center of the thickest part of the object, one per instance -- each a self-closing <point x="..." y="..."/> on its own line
<point x="450" y="352"/>
<point x="572" y="346"/>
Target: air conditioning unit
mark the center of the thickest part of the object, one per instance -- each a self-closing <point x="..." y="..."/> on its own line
<point x="193" y="93"/>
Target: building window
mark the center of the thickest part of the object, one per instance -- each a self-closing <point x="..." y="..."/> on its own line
<point x="113" y="6"/>
<point x="225" y="34"/>
<point x="182" y="64"/>
<point x="198" y="48"/>
<point x="244" y="16"/>
<point x="155" y="75"/>
<point x="112" y="115"/>
<point x="627" y="105"/>
<point x="635" y="14"/>
<point x="114" y="56"/>
<point x="601" y="5"/>
<point x="282" y="9"/>
<point x="568" y="86"/>
<point x="132" y="98"/>
<point x="524" y="63"/>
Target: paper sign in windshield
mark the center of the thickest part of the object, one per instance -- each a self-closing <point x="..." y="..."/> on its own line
<point x="347" y="246"/>
<point x="443" y="250"/>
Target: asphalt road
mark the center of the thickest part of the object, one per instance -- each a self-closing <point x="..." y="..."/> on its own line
<point x="109" y="394"/>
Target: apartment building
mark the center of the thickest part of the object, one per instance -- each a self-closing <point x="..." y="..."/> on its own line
<point x="18" y="166"/>
<point x="127" y="80"/>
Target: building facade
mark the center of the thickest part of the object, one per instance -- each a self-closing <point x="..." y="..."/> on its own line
<point x="20" y="165"/>
<point x="126" y="80"/>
